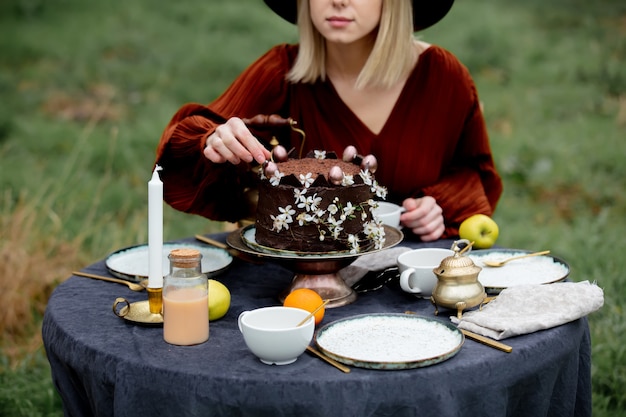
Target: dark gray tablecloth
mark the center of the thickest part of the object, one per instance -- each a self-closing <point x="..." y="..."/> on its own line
<point x="104" y="366"/>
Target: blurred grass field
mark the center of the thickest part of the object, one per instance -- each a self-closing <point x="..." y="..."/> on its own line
<point x="87" y="87"/>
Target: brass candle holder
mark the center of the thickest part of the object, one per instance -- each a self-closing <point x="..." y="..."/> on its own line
<point x="155" y="300"/>
<point x="147" y="312"/>
<point x="137" y="312"/>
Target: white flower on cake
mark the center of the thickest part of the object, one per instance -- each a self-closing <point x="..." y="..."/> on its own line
<point x="379" y="190"/>
<point x="354" y="243"/>
<point x="370" y="228"/>
<point x="306" y="218"/>
<point x="283" y="219"/>
<point x="299" y="194"/>
<point x="348" y="210"/>
<point x="320" y="154"/>
<point x="310" y="203"/>
<point x="347" y="180"/>
<point x="366" y="176"/>
<point x="334" y="226"/>
<point x="333" y="223"/>
<point x="375" y="231"/>
<point x="287" y="212"/>
<point x="306" y="180"/>
<point x="336" y="231"/>
<point x="275" y="178"/>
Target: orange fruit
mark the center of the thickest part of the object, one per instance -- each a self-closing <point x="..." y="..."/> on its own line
<point x="306" y="299"/>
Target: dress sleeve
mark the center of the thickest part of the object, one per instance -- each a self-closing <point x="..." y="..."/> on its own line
<point x="471" y="185"/>
<point x="192" y="183"/>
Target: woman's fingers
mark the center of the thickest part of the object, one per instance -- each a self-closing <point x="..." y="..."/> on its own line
<point x="252" y="148"/>
<point x="424" y="217"/>
<point x="234" y="143"/>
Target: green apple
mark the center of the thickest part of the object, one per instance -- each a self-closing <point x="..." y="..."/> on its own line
<point x="480" y="229"/>
<point x="219" y="300"/>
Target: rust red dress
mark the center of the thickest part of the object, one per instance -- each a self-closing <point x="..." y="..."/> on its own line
<point x="434" y="143"/>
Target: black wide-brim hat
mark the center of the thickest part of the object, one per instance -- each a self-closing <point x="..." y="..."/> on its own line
<point x="425" y="12"/>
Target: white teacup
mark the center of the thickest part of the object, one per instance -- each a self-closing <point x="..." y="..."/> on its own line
<point x="389" y="213"/>
<point x="416" y="269"/>
<point x="273" y="334"/>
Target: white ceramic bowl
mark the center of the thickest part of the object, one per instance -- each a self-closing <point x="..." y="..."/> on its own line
<point x="389" y="213"/>
<point x="271" y="333"/>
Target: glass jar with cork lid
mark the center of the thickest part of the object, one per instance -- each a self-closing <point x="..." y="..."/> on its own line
<point x="185" y="299"/>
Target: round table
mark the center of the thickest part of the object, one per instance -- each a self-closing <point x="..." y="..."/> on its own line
<point x="103" y="365"/>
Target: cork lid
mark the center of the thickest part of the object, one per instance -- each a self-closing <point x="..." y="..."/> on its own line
<point x="185" y="257"/>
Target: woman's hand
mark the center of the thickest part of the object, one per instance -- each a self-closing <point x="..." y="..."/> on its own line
<point x="424" y="217"/>
<point x="234" y="143"/>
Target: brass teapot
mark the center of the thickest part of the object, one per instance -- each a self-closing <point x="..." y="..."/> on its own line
<point x="457" y="284"/>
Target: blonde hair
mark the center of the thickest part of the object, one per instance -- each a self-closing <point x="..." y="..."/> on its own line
<point x="391" y="58"/>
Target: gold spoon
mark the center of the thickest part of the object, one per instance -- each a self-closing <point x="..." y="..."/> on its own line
<point x="312" y="313"/>
<point x="131" y="285"/>
<point x="496" y="264"/>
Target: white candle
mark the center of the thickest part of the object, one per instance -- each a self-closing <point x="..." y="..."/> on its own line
<point x="155" y="230"/>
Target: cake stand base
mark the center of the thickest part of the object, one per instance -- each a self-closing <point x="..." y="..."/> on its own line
<point x="319" y="272"/>
<point x="329" y="286"/>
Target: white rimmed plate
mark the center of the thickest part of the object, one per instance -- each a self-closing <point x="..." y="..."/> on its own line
<point x="536" y="270"/>
<point x="389" y="341"/>
<point x="132" y="263"/>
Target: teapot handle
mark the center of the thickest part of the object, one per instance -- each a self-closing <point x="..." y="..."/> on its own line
<point x="458" y="248"/>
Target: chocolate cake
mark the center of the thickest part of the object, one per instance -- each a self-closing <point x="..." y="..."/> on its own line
<point x="318" y="204"/>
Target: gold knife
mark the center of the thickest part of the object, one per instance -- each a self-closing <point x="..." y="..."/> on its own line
<point x="487" y="341"/>
<point x="333" y="362"/>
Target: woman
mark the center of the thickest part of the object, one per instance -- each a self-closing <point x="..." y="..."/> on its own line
<point x="357" y="77"/>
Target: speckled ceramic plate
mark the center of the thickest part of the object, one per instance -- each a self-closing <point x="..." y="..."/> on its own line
<point x="544" y="269"/>
<point x="132" y="263"/>
<point x="389" y="341"/>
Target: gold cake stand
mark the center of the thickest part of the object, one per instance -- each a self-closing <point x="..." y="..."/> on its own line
<point x="316" y="271"/>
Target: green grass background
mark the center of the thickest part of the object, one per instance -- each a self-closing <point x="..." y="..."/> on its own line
<point x="86" y="88"/>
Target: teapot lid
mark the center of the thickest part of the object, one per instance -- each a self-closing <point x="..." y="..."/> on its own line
<point x="458" y="264"/>
<point x="457" y="261"/>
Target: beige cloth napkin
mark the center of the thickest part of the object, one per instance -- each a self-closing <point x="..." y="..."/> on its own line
<point x="376" y="261"/>
<point x="529" y="308"/>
